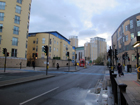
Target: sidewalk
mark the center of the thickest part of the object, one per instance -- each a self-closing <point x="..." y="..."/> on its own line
<point x="132" y="89"/>
<point x="14" y="76"/>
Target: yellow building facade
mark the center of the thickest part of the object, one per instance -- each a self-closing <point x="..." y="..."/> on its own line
<point x="14" y="26"/>
<point x="57" y="44"/>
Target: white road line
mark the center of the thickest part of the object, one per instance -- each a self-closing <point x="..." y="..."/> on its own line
<point x="38" y="96"/>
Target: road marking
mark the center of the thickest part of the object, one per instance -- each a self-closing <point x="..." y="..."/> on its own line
<point x="38" y="96"/>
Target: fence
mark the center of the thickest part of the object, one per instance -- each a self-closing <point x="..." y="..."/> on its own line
<point x="119" y="91"/>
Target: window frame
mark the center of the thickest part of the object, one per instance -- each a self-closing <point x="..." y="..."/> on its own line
<point x="1" y="27"/>
<point x="16" y="30"/>
<point x="1" y="16"/>
<point x="138" y="22"/>
<point x="43" y="40"/>
<point x="17" y="19"/>
<point x="2" y="5"/>
<point x="14" y="41"/>
<point x="18" y="9"/>
<point x="19" y="1"/>
<point x="15" y="52"/>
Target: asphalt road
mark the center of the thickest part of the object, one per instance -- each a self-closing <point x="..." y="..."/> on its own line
<point x="66" y="88"/>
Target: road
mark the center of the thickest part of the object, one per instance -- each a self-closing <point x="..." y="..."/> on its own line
<point x="66" y="88"/>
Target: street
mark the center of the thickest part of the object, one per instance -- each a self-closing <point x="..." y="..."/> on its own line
<point x="66" y="88"/>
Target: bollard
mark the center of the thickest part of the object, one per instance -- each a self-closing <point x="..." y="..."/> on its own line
<point x="115" y="93"/>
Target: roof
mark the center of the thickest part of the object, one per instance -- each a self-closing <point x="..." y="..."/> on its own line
<point x="55" y="33"/>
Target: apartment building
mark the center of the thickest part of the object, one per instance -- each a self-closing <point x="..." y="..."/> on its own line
<point x="14" y="26"/>
<point x="57" y="44"/>
<point x="122" y="37"/>
<point x="73" y="40"/>
<point x="95" y="47"/>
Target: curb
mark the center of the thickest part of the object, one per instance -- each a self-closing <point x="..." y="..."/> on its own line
<point x="23" y="80"/>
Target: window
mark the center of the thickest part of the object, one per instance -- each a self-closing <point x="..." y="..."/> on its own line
<point x="28" y="16"/>
<point x="1" y="26"/>
<point x="15" y="41"/>
<point x="57" y="43"/>
<point x="43" y="40"/>
<point x="50" y="49"/>
<point x="138" y="33"/>
<point x="33" y="48"/>
<point x="37" y="41"/>
<point x="33" y="42"/>
<point x="64" y="45"/>
<point x="132" y="35"/>
<point x="54" y="42"/>
<point x="133" y="57"/>
<point x="14" y="53"/>
<point x="26" y="44"/>
<point x="18" y="9"/>
<point x="138" y="22"/>
<point x="36" y="48"/>
<point x="123" y="39"/>
<point x="57" y="49"/>
<point x="42" y="48"/>
<point x="1" y="16"/>
<point x="29" y="7"/>
<point x="19" y="1"/>
<point x="25" y="54"/>
<point x="131" y="24"/>
<point x="16" y="30"/>
<point x="2" y="5"/>
<point x="50" y="41"/>
<point x="27" y="35"/>
<point x="54" y="49"/>
<point x="27" y="25"/>
<point x="0" y="39"/>
<point x="126" y="38"/>
<point x="17" y="19"/>
<point x="122" y="29"/>
<point x="126" y="28"/>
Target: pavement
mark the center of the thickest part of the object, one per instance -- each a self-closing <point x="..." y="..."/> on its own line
<point x="132" y="89"/>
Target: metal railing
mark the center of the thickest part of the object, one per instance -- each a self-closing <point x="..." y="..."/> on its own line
<point x="119" y="91"/>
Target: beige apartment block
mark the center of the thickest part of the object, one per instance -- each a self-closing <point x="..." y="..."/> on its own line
<point x="73" y="40"/>
<point x="14" y="26"/>
<point x="57" y="44"/>
<point x="87" y="49"/>
<point x="122" y="38"/>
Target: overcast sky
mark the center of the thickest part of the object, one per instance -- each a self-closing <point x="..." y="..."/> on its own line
<point x="83" y="18"/>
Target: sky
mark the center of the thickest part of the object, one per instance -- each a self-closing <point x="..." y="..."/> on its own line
<point x="83" y="18"/>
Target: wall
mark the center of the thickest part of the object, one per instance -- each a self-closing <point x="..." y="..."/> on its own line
<point x="12" y="62"/>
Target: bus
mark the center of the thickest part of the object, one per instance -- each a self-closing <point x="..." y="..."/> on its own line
<point x="82" y="63"/>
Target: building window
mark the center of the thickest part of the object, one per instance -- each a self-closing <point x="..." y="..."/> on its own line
<point x="132" y="35"/>
<point x="57" y="49"/>
<point x="15" y="41"/>
<point x="1" y="26"/>
<point x="126" y="38"/>
<point x="28" y="16"/>
<point x="42" y="48"/>
<point x="50" y="49"/>
<point x="133" y="57"/>
<point x="37" y="41"/>
<point x="57" y="43"/>
<point x="54" y="49"/>
<point x="16" y="30"/>
<point x="19" y="1"/>
<point x="1" y="16"/>
<point x="14" y="53"/>
<point x="43" y="40"/>
<point x="17" y="19"/>
<point x="36" y="48"/>
<point x="138" y="22"/>
<point x="26" y="44"/>
<point x="50" y="41"/>
<point x="33" y="42"/>
<point x="27" y="25"/>
<point x="29" y="7"/>
<point x="138" y="33"/>
<point x="54" y="42"/>
<point x="18" y="9"/>
<point x="123" y="39"/>
<point x="2" y="5"/>
<point x="64" y="45"/>
<point x="27" y="35"/>
<point x="33" y="48"/>
<point x="122" y="29"/>
<point x="0" y="39"/>
<point x="131" y="24"/>
<point x="25" y="54"/>
<point x="126" y="28"/>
